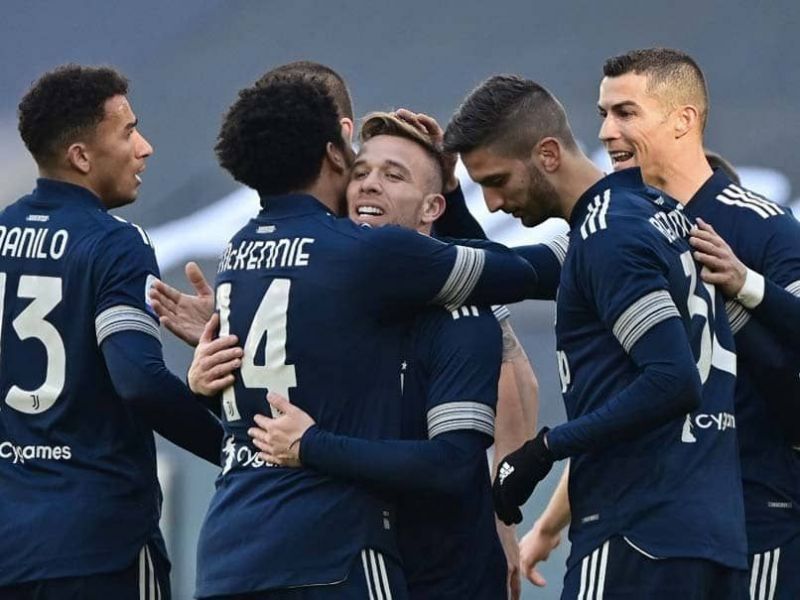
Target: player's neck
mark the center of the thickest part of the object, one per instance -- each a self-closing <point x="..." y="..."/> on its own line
<point x="326" y="193"/>
<point x="682" y="175"/>
<point x="67" y="176"/>
<point x="576" y="176"/>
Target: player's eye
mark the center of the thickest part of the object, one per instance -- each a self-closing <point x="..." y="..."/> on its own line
<point x="394" y="176"/>
<point x="359" y="174"/>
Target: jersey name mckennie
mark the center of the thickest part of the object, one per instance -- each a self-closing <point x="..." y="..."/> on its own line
<point x="77" y="468"/>
<point x="628" y="268"/>
<point x="449" y="545"/>
<point x="766" y="237"/>
<point x="320" y="306"/>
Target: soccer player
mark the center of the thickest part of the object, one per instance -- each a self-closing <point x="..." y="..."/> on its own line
<point x="82" y="376"/>
<point x="321" y="305"/>
<point x="631" y="316"/>
<point x="448" y="379"/>
<point x="654" y="106"/>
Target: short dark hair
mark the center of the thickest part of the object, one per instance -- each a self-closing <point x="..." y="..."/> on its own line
<point x="63" y="104"/>
<point x="275" y="135"/>
<point x="335" y="83"/>
<point x="717" y="161"/>
<point x="509" y="112"/>
<point x="383" y="123"/>
<point x="673" y="72"/>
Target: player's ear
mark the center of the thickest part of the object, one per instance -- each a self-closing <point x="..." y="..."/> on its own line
<point x="348" y="128"/>
<point x="547" y="154"/>
<point x="335" y="158"/>
<point x="78" y="158"/>
<point x="432" y="208"/>
<point x="687" y="118"/>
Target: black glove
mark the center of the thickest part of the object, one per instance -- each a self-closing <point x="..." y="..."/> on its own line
<point x="518" y="474"/>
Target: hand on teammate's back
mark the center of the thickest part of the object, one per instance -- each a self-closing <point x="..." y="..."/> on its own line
<point x="278" y="437"/>
<point x="517" y="476"/>
<point x="214" y="360"/>
<point x="182" y="314"/>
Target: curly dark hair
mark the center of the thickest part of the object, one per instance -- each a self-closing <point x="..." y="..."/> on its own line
<point x="64" y="103"/>
<point x="274" y="137"/>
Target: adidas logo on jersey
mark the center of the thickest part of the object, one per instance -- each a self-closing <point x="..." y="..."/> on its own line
<point x="505" y="470"/>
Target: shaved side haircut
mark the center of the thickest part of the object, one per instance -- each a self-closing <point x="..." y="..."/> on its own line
<point x="511" y="115"/>
<point x="672" y="75"/>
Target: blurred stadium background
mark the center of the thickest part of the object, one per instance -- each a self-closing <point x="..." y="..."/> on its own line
<point x="186" y="60"/>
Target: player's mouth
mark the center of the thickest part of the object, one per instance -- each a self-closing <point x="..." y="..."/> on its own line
<point x="620" y="158"/>
<point x="138" y="175"/>
<point x="370" y="211"/>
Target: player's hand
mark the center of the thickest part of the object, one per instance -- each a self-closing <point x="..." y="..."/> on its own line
<point x="182" y="314"/>
<point x="517" y="476"/>
<point x="508" y="539"/>
<point x="721" y="267"/>
<point x="278" y="438"/>
<point x="214" y="360"/>
<point x="430" y="127"/>
<point x="534" y="548"/>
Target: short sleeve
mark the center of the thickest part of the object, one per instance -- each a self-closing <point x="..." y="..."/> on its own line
<point x="627" y="280"/>
<point x="464" y="356"/>
<point x="125" y="269"/>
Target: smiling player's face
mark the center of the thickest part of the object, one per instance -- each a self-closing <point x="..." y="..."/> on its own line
<point x="390" y="180"/>
<point x="635" y="124"/>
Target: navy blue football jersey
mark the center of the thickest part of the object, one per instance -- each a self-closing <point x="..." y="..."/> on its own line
<point x="77" y="468"/>
<point x="766" y="237"/>
<point x="449" y="545"/>
<point x="673" y="491"/>
<point x="320" y="305"/>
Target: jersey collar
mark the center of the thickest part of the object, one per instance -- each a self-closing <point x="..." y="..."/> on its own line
<point x="291" y="205"/>
<point x="55" y="191"/>
<point x="710" y="189"/>
<point x="628" y="178"/>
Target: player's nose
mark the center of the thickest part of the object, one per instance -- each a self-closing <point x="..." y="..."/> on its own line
<point x="608" y="130"/>
<point x="493" y="200"/>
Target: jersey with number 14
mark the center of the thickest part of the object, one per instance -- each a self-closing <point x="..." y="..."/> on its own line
<point x="319" y="306"/>
<point x="78" y="487"/>
<point x="674" y="491"/>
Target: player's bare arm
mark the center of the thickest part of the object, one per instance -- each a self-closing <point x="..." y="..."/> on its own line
<point x="183" y="314"/>
<point x="515" y="422"/>
<point x="545" y="535"/>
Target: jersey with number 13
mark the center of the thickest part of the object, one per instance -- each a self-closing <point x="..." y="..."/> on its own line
<point x="79" y="493"/>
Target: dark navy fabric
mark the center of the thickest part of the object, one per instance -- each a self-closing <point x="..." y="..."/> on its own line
<point x="449" y="544"/>
<point x="77" y="466"/>
<point x="321" y="306"/>
<point x="674" y="490"/>
<point x="766" y="237"/>
<point x="618" y="571"/>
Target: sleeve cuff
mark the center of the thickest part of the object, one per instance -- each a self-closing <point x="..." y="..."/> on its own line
<point x="752" y="292"/>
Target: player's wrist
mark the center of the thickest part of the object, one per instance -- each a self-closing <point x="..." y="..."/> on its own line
<point x="751" y="293"/>
<point x="306" y="448"/>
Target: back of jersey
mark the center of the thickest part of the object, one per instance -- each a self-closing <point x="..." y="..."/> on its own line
<point x="289" y="287"/>
<point x="77" y="469"/>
